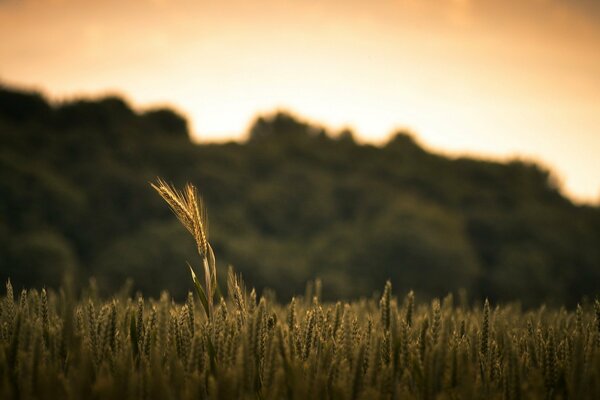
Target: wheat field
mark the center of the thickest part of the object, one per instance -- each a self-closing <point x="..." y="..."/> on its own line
<point x="54" y="347"/>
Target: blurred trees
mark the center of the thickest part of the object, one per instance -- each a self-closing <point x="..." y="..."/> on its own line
<point x="292" y="203"/>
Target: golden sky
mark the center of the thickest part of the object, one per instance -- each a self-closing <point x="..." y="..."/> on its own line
<point x="489" y="78"/>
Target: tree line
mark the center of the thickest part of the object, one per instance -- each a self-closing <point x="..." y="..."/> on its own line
<point x="292" y="202"/>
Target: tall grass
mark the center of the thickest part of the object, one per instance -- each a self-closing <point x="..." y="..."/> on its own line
<point x="52" y="346"/>
<point x="242" y="346"/>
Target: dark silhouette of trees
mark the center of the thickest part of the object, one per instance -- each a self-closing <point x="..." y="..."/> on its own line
<point x="291" y="203"/>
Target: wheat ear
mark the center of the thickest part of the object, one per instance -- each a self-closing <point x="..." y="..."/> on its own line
<point x="189" y="209"/>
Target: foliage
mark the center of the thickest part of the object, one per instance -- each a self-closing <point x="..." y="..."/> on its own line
<point x="291" y="203"/>
<point x="53" y="346"/>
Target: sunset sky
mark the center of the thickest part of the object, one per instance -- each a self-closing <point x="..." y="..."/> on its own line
<point x="480" y="77"/>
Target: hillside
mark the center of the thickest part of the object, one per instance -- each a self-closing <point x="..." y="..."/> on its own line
<point x="291" y="203"/>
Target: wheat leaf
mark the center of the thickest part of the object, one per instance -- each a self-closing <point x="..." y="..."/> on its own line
<point x="199" y="290"/>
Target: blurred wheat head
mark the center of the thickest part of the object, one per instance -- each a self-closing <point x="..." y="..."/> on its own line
<point x="189" y="209"/>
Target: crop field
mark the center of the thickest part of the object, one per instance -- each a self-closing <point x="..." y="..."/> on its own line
<point x="231" y="344"/>
<point x="54" y="347"/>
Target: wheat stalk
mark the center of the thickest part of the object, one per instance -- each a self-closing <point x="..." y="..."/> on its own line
<point x="188" y="207"/>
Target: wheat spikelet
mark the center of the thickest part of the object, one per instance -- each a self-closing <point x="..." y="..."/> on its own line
<point x="309" y="335"/>
<point x="423" y="339"/>
<point x="177" y="202"/>
<point x="184" y="336"/>
<point x="236" y="293"/>
<point x="44" y="311"/>
<point x="410" y="307"/>
<point x="191" y="310"/>
<point x="140" y="321"/>
<point x="92" y="329"/>
<point x="23" y="306"/>
<point x="436" y="324"/>
<point x="150" y="328"/>
<point x="111" y="329"/>
<point x="199" y="226"/>
<point x="9" y="308"/>
<point x="338" y="317"/>
<point x="384" y="305"/>
<point x="485" y="330"/>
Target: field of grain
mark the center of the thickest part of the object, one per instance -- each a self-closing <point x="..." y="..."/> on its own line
<point x="53" y="346"/>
